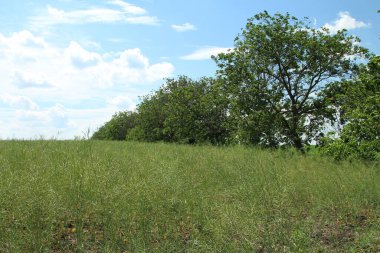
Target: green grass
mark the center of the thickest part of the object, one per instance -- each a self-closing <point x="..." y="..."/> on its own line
<point x="88" y="196"/>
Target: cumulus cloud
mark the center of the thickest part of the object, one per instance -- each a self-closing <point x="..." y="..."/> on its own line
<point x="55" y="116"/>
<point x="23" y="47"/>
<point x="122" y="103"/>
<point x="23" y="38"/>
<point x="133" y="59"/>
<point x="43" y="67"/>
<point x="131" y="66"/>
<point x="18" y="102"/>
<point x="80" y="57"/>
<point x="29" y="81"/>
<point x="345" y="21"/>
<point x="125" y="13"/>
<point x="184" y="27"/>
<point x="78" y="82"/>
<point x="205" y="53"/>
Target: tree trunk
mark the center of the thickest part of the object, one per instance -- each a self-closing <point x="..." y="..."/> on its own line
<point x="297" y="142"/>
<point x="296" y="138"/>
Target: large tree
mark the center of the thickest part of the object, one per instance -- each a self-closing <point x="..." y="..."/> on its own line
<point x="276" y="72"/>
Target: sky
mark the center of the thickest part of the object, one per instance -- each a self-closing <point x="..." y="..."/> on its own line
<point x="66" y="66"/>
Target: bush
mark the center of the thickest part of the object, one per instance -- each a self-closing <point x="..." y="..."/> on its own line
<point x="135" y="134"/>
<point x="117" y="128"/>
<point x="359" y="103"/>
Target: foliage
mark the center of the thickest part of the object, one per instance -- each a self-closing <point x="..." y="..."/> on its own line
<point x="275" y="75"/>
<point x="359" y="105"/>
<point x="117" y="128"/>
<point x="184" y="111"/>
<point x="135" y="134"/>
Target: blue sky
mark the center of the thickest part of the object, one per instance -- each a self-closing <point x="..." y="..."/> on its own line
<point x="68" y="65"/>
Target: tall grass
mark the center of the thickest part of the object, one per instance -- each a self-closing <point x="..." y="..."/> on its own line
<point x="88" y="196"/>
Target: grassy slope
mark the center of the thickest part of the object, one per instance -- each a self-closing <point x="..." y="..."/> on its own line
<point x="117" y="196"/>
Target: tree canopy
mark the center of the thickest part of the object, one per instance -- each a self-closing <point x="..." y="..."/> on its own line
<point x="276" y="72"/>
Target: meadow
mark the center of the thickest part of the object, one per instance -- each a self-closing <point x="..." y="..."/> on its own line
<point x="99" y="196"/>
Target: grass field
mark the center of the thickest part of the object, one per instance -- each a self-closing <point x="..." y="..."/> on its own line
<point x="88" y="196"/>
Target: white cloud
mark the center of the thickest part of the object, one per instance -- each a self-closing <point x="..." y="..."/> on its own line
<point x="130" y="67"/>
<point x="29" y="81"/>
<point x="18" y="102"/>
<point x="42" y="67"/>
<point x="345" y="21"/>
<point x="80" y="57"/>
<point x="129" y="8"/>
<point x="70" y="88"/>
<point x="55" y="116"/>
<point x="126" y="13"/>
<point x="143" y="20"/>
<point x="56" y="122"/>
<point x="205" y="53"/>
<point x="122" y="103"/>
<point x="133" y="59"/>
<point x="24" y="47"/>
<point x="23" y="39"/>
<point x="184" y="27"/>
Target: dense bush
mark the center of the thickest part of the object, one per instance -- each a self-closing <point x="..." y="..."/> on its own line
<point x="184" y="111"/>
<point x="117" y="128"/>
<point x="359" y="104"/>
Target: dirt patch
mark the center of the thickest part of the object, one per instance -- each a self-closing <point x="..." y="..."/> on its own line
<point x="343" y="232"/>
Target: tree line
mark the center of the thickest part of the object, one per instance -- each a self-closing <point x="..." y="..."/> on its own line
<point x="284" y="84"/>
